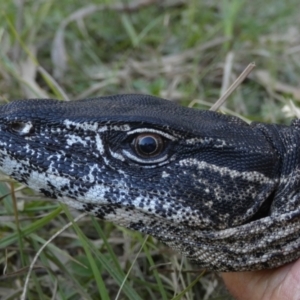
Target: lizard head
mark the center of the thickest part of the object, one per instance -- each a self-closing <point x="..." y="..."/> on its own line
<point x="142" y="162"/>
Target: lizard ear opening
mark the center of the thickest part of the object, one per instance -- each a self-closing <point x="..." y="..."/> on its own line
<point x="264" y="210"/>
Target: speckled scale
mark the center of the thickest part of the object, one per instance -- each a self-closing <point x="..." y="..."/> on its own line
<point x="222" y="192"/>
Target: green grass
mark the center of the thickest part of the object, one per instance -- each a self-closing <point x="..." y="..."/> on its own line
<point x="179" y="50"/>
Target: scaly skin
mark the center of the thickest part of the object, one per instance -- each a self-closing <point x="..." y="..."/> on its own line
<point x="220" y="191"/>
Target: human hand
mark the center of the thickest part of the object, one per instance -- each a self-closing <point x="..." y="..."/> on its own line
<point x="276" y="284"/>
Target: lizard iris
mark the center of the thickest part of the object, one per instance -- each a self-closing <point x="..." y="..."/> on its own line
<point x="220" y="191"/>
<point x="148" y="144"/>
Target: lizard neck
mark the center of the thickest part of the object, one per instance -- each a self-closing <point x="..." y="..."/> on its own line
<point x="286" y="142"/>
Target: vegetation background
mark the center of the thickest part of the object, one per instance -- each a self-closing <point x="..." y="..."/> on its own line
<point x="189" y="51"/>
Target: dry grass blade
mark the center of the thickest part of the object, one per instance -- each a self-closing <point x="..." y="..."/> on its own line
<point x="233" y="87"/>
<point x="53" y="83"/>
<point x="290" y="110"/>
<point x="264" y="77"/>
<point x="23" y="297"/>
<point x="19" y="272"/>
<point x="58" y="51"/>
<point x="227" y="72"/>
<point x="133" y="262"/>
<point x="16" y="51"/>
<point x="28" y="72"/>
<point x="164" y="65"/>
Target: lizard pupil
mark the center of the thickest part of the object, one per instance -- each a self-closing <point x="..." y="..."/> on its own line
<point x="148" y="145"/>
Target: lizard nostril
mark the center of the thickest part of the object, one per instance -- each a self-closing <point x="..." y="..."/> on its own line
<point x="21" y="128"/>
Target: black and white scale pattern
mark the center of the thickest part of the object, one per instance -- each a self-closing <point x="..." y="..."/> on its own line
<point x="224" y="193"/>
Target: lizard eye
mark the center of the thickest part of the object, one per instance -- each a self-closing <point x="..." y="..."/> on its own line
<point x="148" y="144"/>
<point x="21" y="128"/>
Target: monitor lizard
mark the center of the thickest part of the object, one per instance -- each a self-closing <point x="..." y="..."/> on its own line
<point x="220" y="191"/>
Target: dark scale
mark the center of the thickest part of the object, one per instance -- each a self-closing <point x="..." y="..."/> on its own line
<point x="48" y="194"/>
